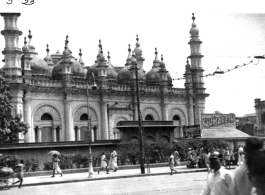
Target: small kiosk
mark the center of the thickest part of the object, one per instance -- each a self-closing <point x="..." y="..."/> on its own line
<point x="222" y="127"/>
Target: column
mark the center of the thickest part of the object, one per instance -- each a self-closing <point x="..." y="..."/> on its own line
<point x="190" y="111"/>
<point x="39" y="134"/>
<point x="29" y="137"/>
<point x="164" y="112"/>
<point x="78" y="134"/>
<point x="104" y="121"/>
<point x="54" y="133"/>
<point x="69" y="133"/>
<point x="17" y="101"/>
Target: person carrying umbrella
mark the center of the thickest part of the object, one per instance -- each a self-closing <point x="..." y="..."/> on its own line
<point x="55" y="163"/>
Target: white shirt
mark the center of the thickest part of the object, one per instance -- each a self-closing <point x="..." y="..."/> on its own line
<point x="219" y="183"/>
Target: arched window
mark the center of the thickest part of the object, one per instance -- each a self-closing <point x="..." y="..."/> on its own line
<point x="46" y="117"/>
<point x="176" y="118"/>
<point x="84" y="117"/>
<point x="149" y="117"/>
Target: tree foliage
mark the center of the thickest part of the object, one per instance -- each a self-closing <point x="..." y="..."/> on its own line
<point x="10" y="126"/>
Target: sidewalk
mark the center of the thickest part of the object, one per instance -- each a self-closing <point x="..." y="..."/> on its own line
<point x="123" y="173"/>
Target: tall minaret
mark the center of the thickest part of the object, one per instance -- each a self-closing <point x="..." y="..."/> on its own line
<point x="197" y="73"/>
<point x="12" y="52"/>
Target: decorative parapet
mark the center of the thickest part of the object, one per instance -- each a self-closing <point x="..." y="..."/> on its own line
<point x="119" y="87"/>
<point x="179" y="90"/>
<point x="46" y="83"/>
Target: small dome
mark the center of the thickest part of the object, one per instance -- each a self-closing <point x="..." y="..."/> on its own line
<point x="194" y="31"/>
<point x="138" y="50"/>
<point x="39" y="66"/>
<point x="111" y="72"/>
<point x="152" y="76"/>
<point x="124" y="75"/>
<point x="76" y="68"/>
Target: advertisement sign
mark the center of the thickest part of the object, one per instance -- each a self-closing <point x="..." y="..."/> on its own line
<point x="218" y="121"/>
<point x="192" y="131"/>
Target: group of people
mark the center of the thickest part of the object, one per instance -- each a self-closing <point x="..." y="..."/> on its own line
<point x="111" y="164"/>
<point x="247" y="179"/>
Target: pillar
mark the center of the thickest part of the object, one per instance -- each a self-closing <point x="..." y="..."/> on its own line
<point x="54" y="133"/>
<point x="78" y="134"/>
<point x="164" y="112"/>
<point x="39" y="134"/>
<point x="104" y="121"/>
<point x="29" y="137"/>
<point x="69" y="133"/>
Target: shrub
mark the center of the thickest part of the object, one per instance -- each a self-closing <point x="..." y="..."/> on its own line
<point x="9" y="161"/>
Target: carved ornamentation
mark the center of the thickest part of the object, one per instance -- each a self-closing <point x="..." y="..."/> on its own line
<point x="151" y="111"/>
<point x="178" y="112"/>
<point x="49" y="109"/>
<point x="83" y="110"/>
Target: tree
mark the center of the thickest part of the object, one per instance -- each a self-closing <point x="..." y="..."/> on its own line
<point x="10" y="126"/>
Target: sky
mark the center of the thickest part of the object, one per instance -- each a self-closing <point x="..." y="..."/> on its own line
<point x="232" y="33"/>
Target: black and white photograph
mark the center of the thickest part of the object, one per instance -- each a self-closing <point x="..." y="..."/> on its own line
<point x="119" y="97"/>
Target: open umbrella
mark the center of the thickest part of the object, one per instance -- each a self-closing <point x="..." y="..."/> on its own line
<point x="54" y="152"/>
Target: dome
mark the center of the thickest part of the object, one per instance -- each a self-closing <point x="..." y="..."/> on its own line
<point x="111" y="72"/>
<point x="124" y="75"/>
<point x="138" y="50"/>
<point x="39" y="66"/>
<point x="194" y="31"/>
<point x="153" y="77"/>
<point x="76" y="68"/>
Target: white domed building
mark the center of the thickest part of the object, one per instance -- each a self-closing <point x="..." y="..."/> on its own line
<point x="50" y="92"/>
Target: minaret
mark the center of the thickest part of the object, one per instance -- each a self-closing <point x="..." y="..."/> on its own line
<point x="12" y="52"/>
<point x="102" y="66"/>
<point x="80" y="58"/>
<point x="138" y="54"/>
<point x="189" y="93"/>
<point x="66" y="64"/>
<point x="26" y="63"/>
<point x="163" y="86"/>
<point x="48" y="58"/>
<point x="197" y="73"/>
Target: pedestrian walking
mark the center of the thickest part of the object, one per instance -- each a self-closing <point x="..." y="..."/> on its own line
<point x="176" y="157"/>
<point x="171" y="163"/>
<point x="240" y="155"/>
<point x="206" y="156"/>
<point x="113" y="161"/>
<point x="55" y="165"/>
<point x="19" y="169"/>
<point x="220" y="181"/>
<point x="242" y="182"/>
<point x="103" y="163"/>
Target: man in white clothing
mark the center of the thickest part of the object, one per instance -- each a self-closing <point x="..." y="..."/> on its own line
<point x="220" y="181"/>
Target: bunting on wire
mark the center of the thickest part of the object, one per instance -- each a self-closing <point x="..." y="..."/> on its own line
<point x="219" y="71"/>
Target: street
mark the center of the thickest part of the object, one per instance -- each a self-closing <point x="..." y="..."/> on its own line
<point x="184" y="184"/>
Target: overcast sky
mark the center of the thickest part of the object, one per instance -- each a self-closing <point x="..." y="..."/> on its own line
<point x="230" y="32"/>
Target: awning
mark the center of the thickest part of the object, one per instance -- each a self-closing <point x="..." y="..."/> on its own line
<point x="224" y="133"/>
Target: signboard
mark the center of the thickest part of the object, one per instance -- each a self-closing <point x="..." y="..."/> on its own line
<point x="192" y="131"/>
<point x="218" y="121"/>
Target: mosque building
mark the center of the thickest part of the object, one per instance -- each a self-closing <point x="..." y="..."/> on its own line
<point x="51" y="92"/>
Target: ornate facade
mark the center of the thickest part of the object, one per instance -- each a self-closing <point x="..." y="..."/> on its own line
<point x="51" y="92"/>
